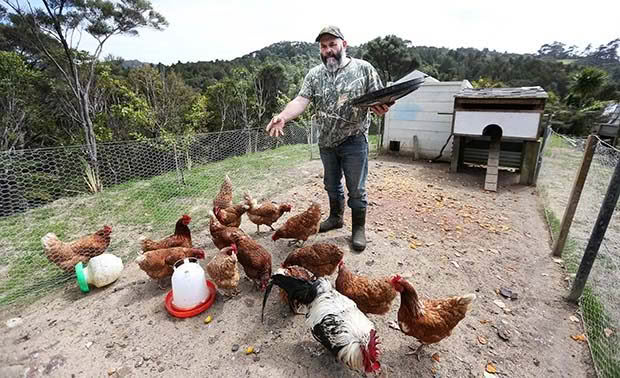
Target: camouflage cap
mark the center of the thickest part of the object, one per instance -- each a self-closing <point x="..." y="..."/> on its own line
<point x="331" y="30"/>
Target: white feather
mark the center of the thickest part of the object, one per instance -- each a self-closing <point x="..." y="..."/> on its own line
<point x="355" y="331"/>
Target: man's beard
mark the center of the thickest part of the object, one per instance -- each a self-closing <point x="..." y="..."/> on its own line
<point x="332" y="61"/>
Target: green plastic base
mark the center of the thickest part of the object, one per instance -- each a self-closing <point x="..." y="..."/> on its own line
<point x="81" y="278"/>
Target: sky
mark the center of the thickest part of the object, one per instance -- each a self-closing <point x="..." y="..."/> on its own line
<point x="204" y="30"/>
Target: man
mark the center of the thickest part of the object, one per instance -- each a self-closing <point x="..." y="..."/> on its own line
<point x="343" y="129"/>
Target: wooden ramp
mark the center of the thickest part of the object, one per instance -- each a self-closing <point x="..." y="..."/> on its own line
<point x="490" y="181"/>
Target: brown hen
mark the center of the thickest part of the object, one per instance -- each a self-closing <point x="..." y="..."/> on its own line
<point x="255" y="260"/>
<point x="431" y="320"/>
<point x="231" y="216"/>
<point x="266" y="213"/>
<point x="223" y="270"/>
<point x="371" y="295"/>
<point x="224" y="198"/>
<point x="301" y="226"/>
<point x="220" y="234"/>
<point x="66" y="255"/>
<point x="182" y="237"/>
<point x="321" y="259"/>
<point x="158" y="263"/>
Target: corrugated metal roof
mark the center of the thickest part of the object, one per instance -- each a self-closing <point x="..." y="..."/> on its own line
<point x="521" y="92"/>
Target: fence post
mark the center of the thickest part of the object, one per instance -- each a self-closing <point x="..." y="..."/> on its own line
<point x="575" y="194"/>
<point x="598" y="233"/>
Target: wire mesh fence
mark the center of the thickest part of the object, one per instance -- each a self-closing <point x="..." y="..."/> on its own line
<point x="600" y="303"/>
<point x="49" y="197"/>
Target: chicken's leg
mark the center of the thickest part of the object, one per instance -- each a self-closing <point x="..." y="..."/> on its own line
<point x="257" y="229"/>
<point x="272" y="229"/>
<point x="416" y="351"/>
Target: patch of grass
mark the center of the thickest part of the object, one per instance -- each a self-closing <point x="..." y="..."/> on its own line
<point x="157" y="202"/>
<point x="596" y="319"/>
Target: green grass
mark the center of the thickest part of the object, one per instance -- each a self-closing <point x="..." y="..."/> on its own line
<point x="156" y="203"/>
<point x="595" y="317"/>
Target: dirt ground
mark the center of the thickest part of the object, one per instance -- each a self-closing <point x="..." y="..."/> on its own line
<point x="439" y="230"/>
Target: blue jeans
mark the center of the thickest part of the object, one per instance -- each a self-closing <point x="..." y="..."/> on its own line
<point x="351" y="158"/>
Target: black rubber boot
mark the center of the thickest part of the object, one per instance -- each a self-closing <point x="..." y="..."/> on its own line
<point x="358" y="238"/>
<point x="336" y="216"/>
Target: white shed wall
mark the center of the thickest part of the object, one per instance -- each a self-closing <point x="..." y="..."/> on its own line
<point x="426" y="113"/>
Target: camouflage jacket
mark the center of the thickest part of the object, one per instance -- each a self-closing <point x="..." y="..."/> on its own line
<point x="331" y="92"/>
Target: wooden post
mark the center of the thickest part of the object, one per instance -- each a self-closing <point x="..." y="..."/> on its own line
<point x="573" y="200"/>
<point x="528" y="162"/>
<point x="416" y="148"/>
<point x="598" y="233"/>
<point x="456" y="154"/>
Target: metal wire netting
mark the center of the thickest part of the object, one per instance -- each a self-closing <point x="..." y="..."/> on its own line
<point x="600" y="303"/>
<point x="147" y="185"/>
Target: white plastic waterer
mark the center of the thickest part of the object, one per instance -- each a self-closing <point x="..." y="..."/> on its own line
<point x="101" y="270"/>
<point x="189" y="284"/>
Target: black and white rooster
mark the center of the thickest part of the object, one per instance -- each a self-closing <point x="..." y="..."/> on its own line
<point x="334" y="320"/>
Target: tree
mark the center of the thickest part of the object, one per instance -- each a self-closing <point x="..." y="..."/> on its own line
<point x="586" y="84"/>
<point x="391" y="56"/>
<point x="169" y="98"/>
<point x="17" y="100"/>
<point x="62" y="20"/>
<point x="487" y="82"/>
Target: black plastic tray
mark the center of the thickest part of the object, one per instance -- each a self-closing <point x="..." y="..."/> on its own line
<point x="389" y="94"/>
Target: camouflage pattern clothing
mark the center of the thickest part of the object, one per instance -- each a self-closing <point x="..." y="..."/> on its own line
<point x="331" y="93"/>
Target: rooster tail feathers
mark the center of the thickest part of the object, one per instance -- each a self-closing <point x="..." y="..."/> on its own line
<point x="297" y="289"/>
<point x="267" y="292"/>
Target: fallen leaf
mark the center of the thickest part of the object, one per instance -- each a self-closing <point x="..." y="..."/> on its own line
<point x="573" y="318"/>
<point x="436" y="357"/>
<point x="482" y="340"/>
<point x="483" y="321"/>
<point x="608" y="332"/>
<point x="581" y="337"/>
<point x="491" y="368"/>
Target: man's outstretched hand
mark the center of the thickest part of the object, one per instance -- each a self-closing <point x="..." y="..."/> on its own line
<point x="275" y="127"/>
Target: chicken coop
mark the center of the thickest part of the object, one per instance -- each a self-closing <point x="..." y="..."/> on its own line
<point x="420" y="124"/>
<point x="498" y="128"/>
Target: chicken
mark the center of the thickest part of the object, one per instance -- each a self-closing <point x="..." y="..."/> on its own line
<point x="223" y="270"/>
<point x="372" y="296"/>
<point x="67" y="255"/>
<point x="230" y="216"/>
<point x="220" y="234"/>
<point x="224" y="198"/>
<point x="266" y="213"/>
<point x="334" y="320"/>
<point x="182" y="237"/>
<point x="431" y="320"/>
<point x="321" y="259"/>
<point x="301" y="226"/>
<point x="255" y="260"/>
<point x="297" y="272"/>
<point x="158" y="263"/>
